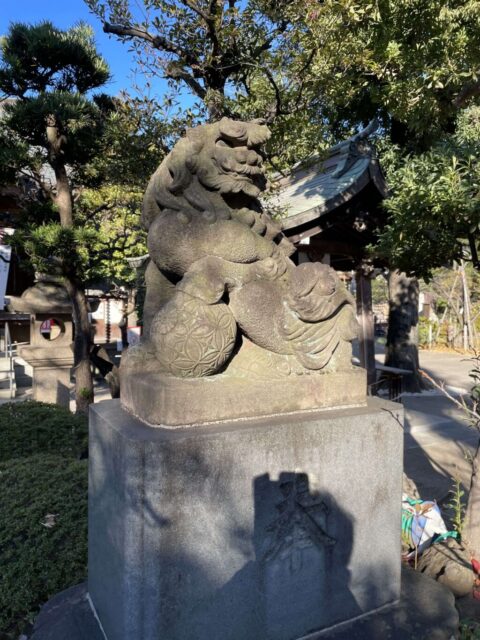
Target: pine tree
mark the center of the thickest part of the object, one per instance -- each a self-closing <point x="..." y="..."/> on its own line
<point x="50" y="130"/>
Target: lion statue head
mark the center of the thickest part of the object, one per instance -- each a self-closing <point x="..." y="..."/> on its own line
<point x="210" y="164"/>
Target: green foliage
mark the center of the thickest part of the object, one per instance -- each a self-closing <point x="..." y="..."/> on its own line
<point x="37" y="559"/>
<point x="469" y="630"/>
<point x="49" y="247"/>
<point x="108" y="148"/>
<point x="50" y="73"/>
<point x="319" y="71"/>
<point x="68" y="60"/>
<point x="243" y="59"/>
<point x="138" y="133"/>
<point x="115" y="232"/>
<point x="424" y="326"/>
<point x="457" y="506"/>
<point x="413" y="61"/>
<point x="434" y="201"/>
<point x="28" y="428"/>
<point x="379" y="290"/>
<point x="43" y="510"/>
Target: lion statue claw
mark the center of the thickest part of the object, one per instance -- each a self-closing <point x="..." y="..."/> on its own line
<point x="220" y="270"/>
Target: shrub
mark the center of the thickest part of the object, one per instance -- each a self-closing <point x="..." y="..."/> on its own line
<point x="43" y="508"/>
<point x="424" y="329"/>
<point x="43" y="534"/>
<point x="34" y="427"/>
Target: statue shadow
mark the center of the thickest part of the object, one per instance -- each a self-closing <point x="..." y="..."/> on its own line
<point x="298" y="580"/>
<point x="217" y="567"/>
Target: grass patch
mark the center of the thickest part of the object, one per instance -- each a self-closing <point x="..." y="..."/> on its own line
<point x="43" y="509"/>
<point x="28" y="428"/>
<point x="469" y="630"/>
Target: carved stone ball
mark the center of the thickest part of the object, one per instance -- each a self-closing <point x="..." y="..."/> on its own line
<point x="193" y="338"/>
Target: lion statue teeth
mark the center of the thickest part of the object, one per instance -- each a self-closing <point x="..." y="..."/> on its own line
<point x="220" y="272"/>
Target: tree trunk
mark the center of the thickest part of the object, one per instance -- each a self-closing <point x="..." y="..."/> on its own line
<point x="402" y="337"/>
<point x="469" y="338"/>
<point x="363" y="276"/>
<point x="64" y="201"/>
<point x="471" y="527"/>
<point x="82" y="344"/>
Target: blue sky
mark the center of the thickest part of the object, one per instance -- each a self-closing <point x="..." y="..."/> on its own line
<point x="63" y="14"/>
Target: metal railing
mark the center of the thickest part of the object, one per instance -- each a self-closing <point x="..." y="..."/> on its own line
<point x="8" y="356"/>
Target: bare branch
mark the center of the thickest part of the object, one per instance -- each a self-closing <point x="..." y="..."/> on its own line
<point x="176" y="72"/>
<point x="472" y="414"/>
<point x="47" y="189"/>
<point x="468" y="91"/>
<point x="214" y="5"/>
<point x="209" y="19"/>
<point x="268" y="42"/>
<point x="157" y="42"/>
<point x="278" y="97"/>
<point x="103" y="207"/>
<point x="198" y="10"/>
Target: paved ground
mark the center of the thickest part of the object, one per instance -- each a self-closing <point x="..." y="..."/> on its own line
<point x="438" y="439"/>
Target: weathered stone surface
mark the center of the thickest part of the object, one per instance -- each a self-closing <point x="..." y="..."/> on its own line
<point x="220" y="276"/>
<point x="51" y="360"/>
<point x="425" y="611"/>
<point x="448" y="563"/>
<point x="47" y="295"/>
<point x="266" y="529"/>
<point x="168" y="401"/>
<point x="67" y="616"/>
<point x="51" y="373"/>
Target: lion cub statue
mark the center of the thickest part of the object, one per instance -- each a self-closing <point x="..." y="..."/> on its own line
<point x="223" y="295"/>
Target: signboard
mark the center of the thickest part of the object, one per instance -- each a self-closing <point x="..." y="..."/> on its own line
<point x="5" y="255"/>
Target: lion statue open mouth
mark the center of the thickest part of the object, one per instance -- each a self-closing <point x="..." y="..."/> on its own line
<point x="220" y="273"/>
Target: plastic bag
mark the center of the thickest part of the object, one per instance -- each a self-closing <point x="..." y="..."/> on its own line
<point x="422" y="524"/>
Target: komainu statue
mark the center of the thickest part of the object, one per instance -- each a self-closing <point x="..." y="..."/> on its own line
<point x="223" y="298"/>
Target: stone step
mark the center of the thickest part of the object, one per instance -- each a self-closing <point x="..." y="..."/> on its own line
<point x="23" y="373"/>
<point x="5" y="393"/>
<point x="23" y="381"/>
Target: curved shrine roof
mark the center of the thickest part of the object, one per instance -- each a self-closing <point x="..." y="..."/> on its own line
<point x="316" y="187"/>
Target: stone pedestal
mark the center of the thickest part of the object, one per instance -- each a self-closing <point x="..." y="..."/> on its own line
<point x="51" y="358"/>
<point x="258" y="529"/>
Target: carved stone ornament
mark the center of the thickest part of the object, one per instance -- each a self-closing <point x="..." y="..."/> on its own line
<point x="301" y="523"/>
<point x="223" y="296"/>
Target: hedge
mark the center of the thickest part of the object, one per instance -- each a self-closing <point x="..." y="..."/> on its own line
<point x="43" y="509"/>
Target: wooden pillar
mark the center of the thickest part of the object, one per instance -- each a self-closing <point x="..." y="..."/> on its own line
<point x="363" y="276"/>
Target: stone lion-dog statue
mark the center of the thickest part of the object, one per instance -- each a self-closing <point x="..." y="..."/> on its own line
<point x="223" y="295"/>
